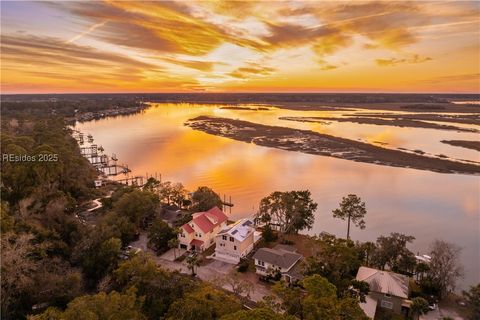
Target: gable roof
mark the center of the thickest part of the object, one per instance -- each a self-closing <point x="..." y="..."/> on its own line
<point x="278" y="257"/>
<point x="187" y="228"/>
<point x="208" y="220"/>
<point x="203" y="223"/>
<point x="384" y="281"/>
<point x="240" y="229"/>
<point x="216" y="212"/>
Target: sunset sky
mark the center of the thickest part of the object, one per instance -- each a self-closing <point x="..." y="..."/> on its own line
<point x="219" y="46"/>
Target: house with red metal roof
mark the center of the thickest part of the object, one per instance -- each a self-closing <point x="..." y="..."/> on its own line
<point x="199" y="234"/>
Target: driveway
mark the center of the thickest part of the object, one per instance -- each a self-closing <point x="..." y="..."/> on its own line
<point x="441" y="313"/>
<point x="214" y="271"/>
<point x="141" y="243"/>
<point x="172" y="254"/>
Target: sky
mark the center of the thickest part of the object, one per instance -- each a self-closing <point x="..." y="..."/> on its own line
<point x="241" y="46"/>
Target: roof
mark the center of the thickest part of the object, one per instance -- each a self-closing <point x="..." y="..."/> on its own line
<point x="215" y="211"/>
<point x="196" y="242"/>
<point x="424" y="258"/>
<point x="208" y="220"/>
<point x="296" y="272"/>
<point x="277" y="256"/>
<point x="187" y="228"/>
<point x="369" y="306"/>
<point x="203" y="223"/>
<point x="384" y="281"/>
<point x="240" y="229"/>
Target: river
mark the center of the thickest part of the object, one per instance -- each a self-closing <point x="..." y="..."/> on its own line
<point x="424" y="204"/>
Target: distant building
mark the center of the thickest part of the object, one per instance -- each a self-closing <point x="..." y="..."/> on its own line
<point x="199" y="234"/>
<point x="423" y="258"/>
<point x="388" y="290"/>
<point x="235" y="241"/>
<point x="282" y="259"/>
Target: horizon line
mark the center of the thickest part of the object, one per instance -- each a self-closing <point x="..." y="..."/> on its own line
<point x="266" y="92"/>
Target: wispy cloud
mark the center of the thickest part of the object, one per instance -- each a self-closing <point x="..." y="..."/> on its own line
<point x="456" y="78"/>
<point x="396" y="61"/>
<point x="84" y="33"/>
<point x="253" y="69"/>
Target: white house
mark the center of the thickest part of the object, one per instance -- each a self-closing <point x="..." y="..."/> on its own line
<point x="199" y="234"/>
<point x="235" y="241"/>
<point x="281" y="259"/>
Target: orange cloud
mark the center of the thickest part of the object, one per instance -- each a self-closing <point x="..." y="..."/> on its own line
<point x="252" y="70"/>
<point x="395" y="61"/>
<point x="248" y="45"/>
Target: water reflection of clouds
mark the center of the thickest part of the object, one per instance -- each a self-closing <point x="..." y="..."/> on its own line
<point x="425" y="204"/>
<point x="387" y="136"/>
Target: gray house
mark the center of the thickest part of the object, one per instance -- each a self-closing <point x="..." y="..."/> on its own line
<point x="388" y="290"/>
<point x="281" y="259"/>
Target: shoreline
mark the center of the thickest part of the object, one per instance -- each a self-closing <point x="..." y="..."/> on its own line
<point x="321" y="144"/>
<point x="474" y="145"/>
<point x="394" y="122"/>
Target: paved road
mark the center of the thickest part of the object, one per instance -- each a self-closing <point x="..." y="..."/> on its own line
<point x="97" y="203"/>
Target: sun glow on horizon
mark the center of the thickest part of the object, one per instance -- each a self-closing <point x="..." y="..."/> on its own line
<point x="250" y="46"/>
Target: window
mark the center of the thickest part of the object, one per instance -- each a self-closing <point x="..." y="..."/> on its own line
<point x="231" y="239"/>
<point x="387" y="295"/>
<point x="199" y="235"/>
<point x="387" y="304"/>
<point x="234" y="247"/>
<point x="224" y="237"/>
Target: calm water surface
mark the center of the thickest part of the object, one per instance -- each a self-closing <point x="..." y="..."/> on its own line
<point x="424" y="204"/>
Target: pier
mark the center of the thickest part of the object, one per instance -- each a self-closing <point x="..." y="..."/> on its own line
<point x="105" y="164"/>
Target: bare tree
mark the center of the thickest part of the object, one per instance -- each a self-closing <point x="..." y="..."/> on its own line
<point x="17" y="268"/>
<point x="236" y="284"/>
<point x="445" y="267"/>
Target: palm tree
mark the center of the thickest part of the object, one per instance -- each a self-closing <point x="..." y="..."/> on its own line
<point x="421" y="269"/>
<point x="173" y="244"/>
<point x="192" y="262"/>
<point x="419" y="307"/>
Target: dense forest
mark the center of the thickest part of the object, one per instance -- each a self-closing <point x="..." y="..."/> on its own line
<point x="63" y="105"/>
